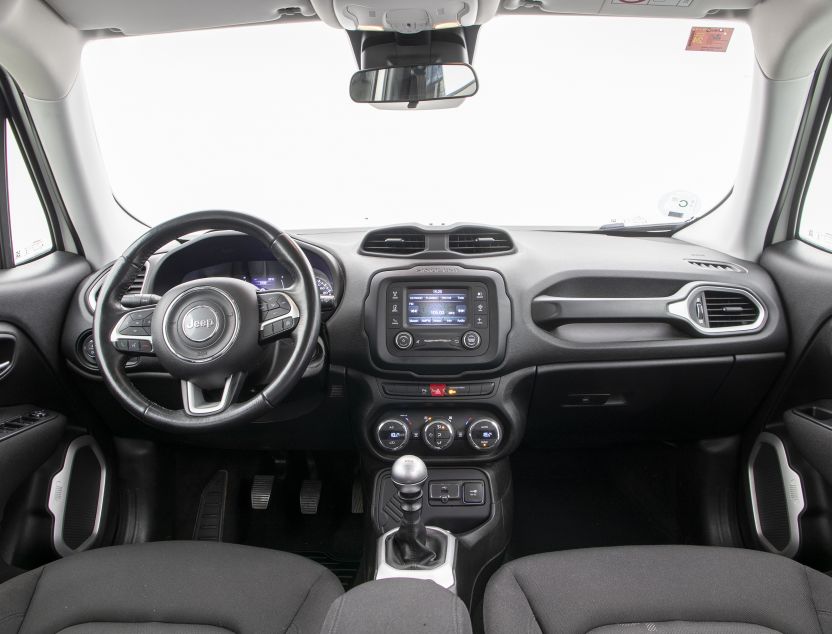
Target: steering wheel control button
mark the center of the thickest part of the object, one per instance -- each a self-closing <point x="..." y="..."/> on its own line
<point x="438" y="435"/>
<point x="484" y="434"/>
<point x="393" y="434"/>
<point x="471" y="340"/>
<point x="404" y="340"/>
<point x="473" y="492"/>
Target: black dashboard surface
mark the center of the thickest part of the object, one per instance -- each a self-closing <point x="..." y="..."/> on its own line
<point x="576" y="265"/>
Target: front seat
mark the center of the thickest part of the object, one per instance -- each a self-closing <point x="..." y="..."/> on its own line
<point x="664" y="589"/>
<point x="170" y="587"/>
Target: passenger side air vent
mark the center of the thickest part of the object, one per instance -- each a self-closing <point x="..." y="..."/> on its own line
<point x="713" y="265"/>
<point x="393" y="242"/>
<point x="479" y="241"/>
<point x="730" y="309"/>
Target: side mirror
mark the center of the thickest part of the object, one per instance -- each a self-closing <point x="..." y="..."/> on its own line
<point x="412" y="84"/>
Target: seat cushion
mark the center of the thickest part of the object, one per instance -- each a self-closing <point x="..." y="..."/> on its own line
<point x="665" y="589"/>
<point x="398" y="606"/>
<point x="167" y="587"/>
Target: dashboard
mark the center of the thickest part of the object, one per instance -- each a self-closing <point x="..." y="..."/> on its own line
<point x="458" y="343"/>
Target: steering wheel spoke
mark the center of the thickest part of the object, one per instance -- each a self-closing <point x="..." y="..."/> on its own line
<point x="279" y="314"/>
<point x="131" y="334"/>
<point x="198" y="403"/>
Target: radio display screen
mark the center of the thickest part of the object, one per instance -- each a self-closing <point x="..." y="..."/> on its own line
<point x="437" y="307"/>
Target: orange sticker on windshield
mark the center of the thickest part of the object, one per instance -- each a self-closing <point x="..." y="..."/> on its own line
<point x="710" y="39"/>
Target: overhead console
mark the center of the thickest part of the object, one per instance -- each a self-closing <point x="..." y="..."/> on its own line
<point x="435" y="317"/>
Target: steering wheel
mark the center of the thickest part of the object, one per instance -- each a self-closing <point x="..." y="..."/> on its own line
<point x="208" y="333"/>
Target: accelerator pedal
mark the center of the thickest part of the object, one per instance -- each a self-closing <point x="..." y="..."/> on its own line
<point x="261" y="492"/>
<point x="211" y="514"/>
<point x="357" y="497"/>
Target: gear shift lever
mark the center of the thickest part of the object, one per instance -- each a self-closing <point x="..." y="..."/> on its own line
<point x="411" y="545"/>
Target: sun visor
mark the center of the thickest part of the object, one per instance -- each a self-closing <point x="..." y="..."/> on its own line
<point x="162" y="16"/>
<point x="635" y="8"/>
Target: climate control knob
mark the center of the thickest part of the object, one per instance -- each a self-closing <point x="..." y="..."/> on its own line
<point x="393" y="434"/>
<point x="438" y="434"/>
<point x="484" y="434"/>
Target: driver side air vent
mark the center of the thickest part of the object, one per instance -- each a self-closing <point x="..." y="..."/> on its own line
<point x="138" y="283"/>
<point x="730" y="309"/>
<point x="479" y="242"/>
<point x="394" y="242"/>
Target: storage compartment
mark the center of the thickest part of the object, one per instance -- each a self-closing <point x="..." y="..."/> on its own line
<point x="627" y="401"/>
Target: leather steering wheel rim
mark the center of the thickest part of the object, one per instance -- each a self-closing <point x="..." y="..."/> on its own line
<point x="124" y="270"/>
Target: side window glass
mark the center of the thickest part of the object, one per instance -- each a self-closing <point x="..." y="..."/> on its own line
<point x="816" y="217"/>
<point x="31" y="236"/>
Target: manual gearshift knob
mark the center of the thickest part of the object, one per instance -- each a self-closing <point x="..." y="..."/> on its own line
<point x="409" y="471"/>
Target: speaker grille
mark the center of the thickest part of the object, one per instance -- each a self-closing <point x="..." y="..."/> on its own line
<point x="82" y="498"/>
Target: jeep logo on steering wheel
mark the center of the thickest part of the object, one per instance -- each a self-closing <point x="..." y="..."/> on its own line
<point x="200" y="323"/>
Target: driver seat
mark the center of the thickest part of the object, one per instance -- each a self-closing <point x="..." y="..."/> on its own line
<point x="170" y="588"/>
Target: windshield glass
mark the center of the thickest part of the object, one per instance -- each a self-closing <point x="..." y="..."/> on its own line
<point x="578" y="122"/>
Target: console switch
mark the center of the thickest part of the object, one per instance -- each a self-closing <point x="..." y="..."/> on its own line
<point x="473" y="492"/>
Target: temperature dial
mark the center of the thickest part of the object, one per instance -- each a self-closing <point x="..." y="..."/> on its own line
<point x="393" y="434"/>
<point x="438" y="434"/>
<point x="484" y="434"/>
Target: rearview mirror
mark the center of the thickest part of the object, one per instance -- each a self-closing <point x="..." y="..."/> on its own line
<point x="412" y="84"/>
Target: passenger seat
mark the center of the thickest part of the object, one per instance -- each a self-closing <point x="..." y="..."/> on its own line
<point x="664" y="589"/>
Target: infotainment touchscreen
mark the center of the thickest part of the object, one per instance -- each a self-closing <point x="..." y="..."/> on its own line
<point x="437" y="307"/>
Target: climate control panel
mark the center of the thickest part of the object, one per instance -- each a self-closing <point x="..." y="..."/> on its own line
<point x="452" y="433"/>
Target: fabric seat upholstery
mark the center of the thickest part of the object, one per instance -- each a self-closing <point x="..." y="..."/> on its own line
<point x="664" y="589"/>
<point x="167" y="587"/>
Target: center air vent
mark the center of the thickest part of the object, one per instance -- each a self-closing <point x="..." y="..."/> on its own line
<point x="394" y="242"/>
<point x="730" y="309"/>
<point x="479" y="241"/>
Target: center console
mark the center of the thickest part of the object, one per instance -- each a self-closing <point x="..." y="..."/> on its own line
<point x="434" y="400"/>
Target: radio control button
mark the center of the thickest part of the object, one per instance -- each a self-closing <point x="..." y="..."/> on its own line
<point x="394" y="294"/>
<point x="471" y="340"/>
<point x="404" y="340"/>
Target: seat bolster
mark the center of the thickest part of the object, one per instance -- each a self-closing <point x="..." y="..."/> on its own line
<point x="15" y="598"/>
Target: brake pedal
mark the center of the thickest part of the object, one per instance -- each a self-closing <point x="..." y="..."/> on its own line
<point x="211" y="514"/>
<point x="261" y="492"/>
<point x="310" y="497"/>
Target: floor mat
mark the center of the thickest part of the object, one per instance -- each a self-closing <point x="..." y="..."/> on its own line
<point x="332" y="536"/>
<point x="593" y="497"/>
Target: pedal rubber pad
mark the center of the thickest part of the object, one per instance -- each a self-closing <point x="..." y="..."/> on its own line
<point x="211" y="514"/>
<point x="261" y="492"/>
<point x="310" y="496"/>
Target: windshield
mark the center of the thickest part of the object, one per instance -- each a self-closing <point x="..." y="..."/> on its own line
<point x="578" y="122"/>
